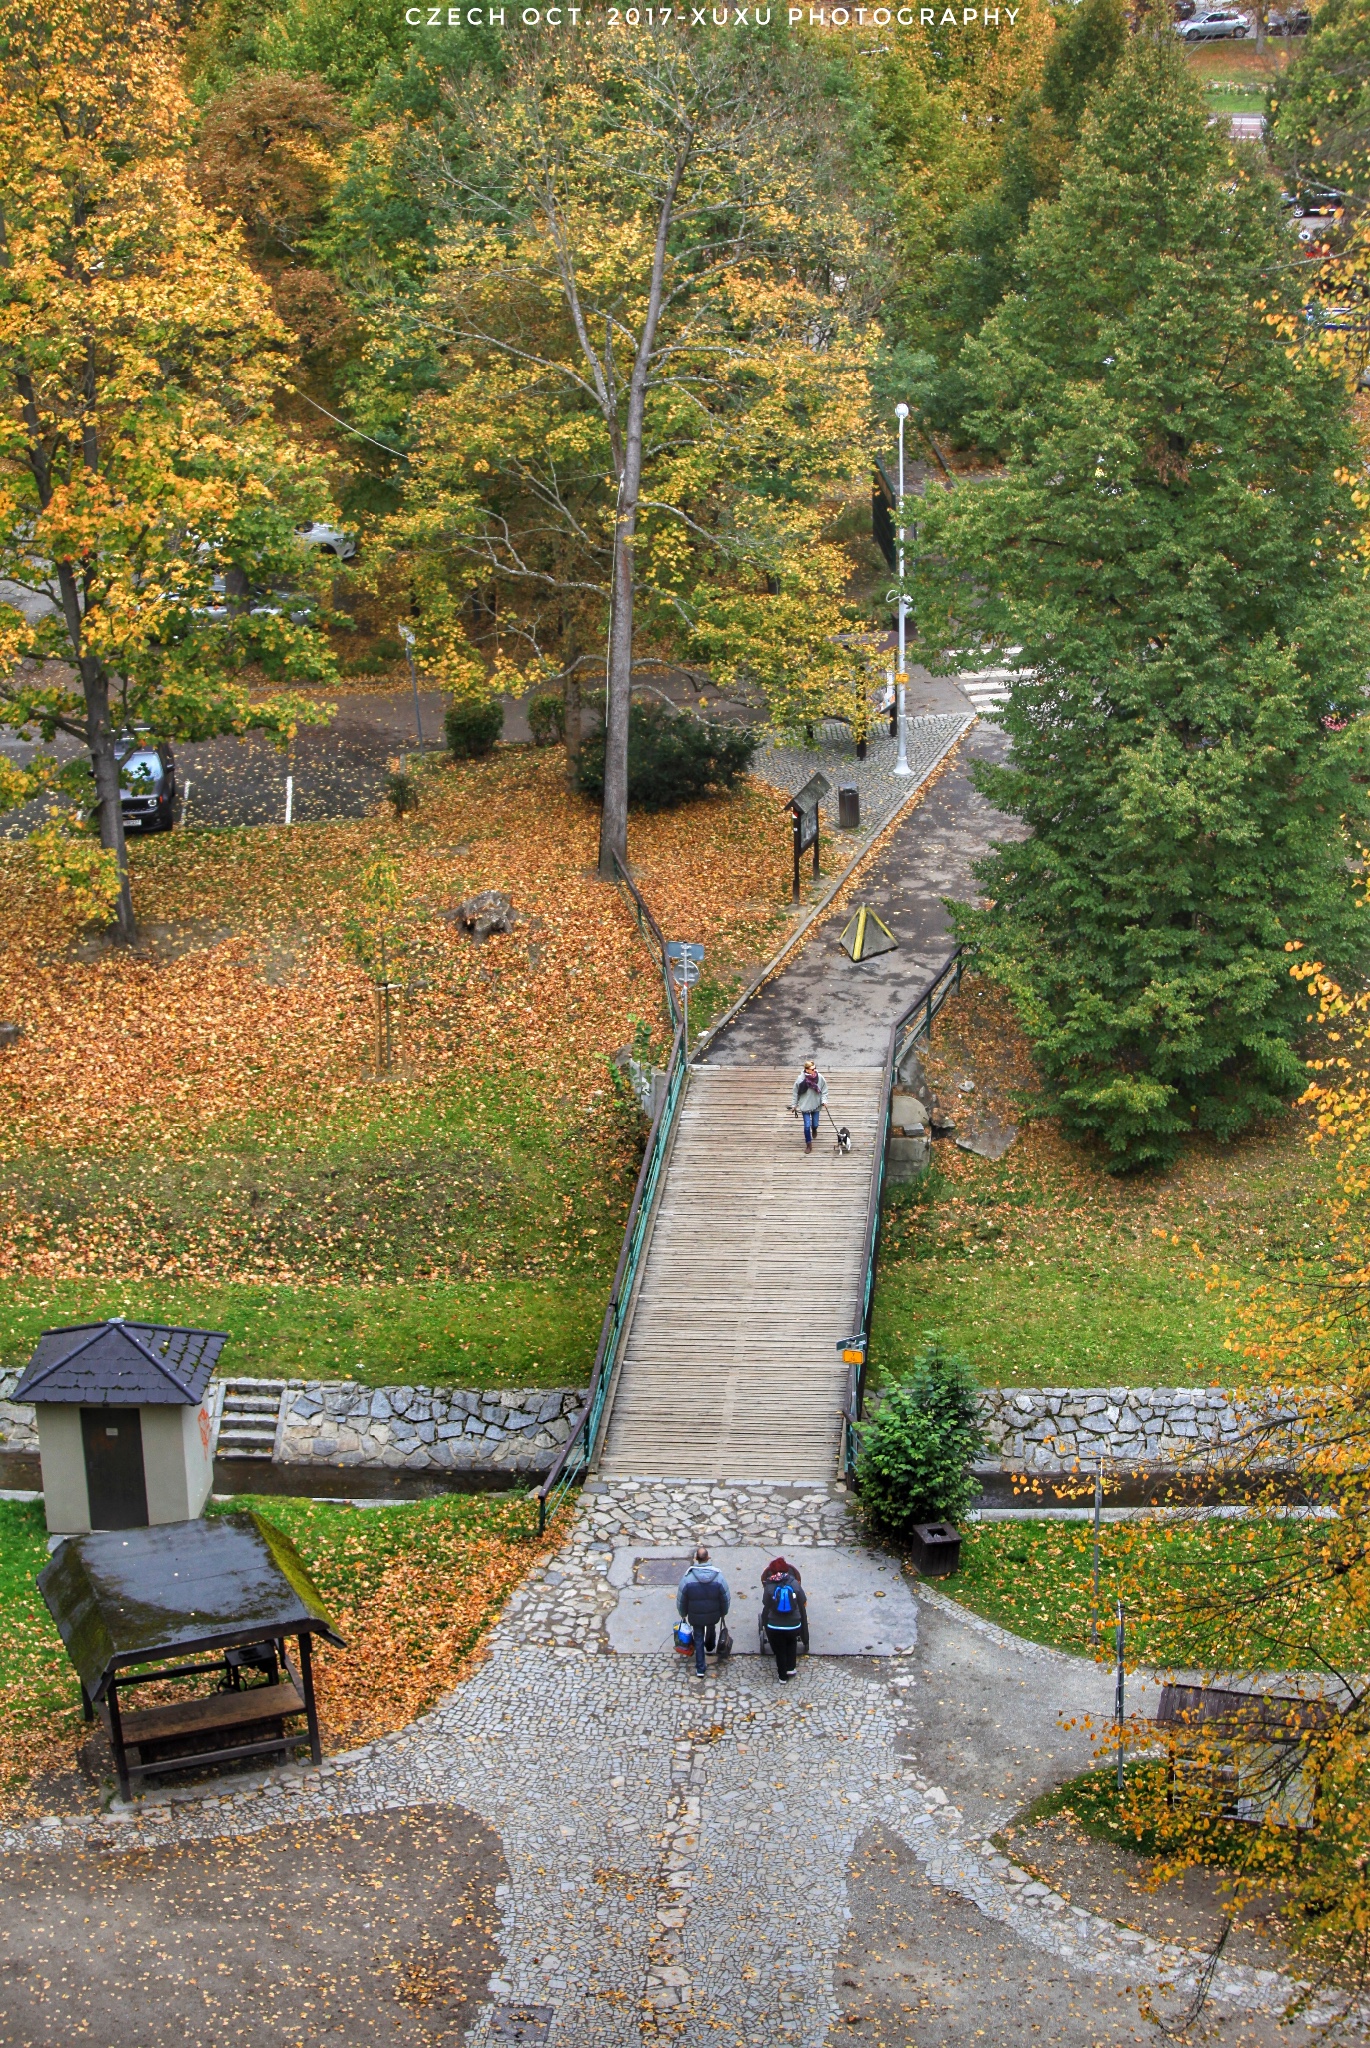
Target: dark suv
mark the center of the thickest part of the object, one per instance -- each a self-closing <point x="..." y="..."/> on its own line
<point x="147" y="783"/>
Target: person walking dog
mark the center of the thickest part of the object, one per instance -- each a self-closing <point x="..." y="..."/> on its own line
<point x="807" y="1100"/>
<point x="702" y="1598"/>
<point x="784" y="1614"/>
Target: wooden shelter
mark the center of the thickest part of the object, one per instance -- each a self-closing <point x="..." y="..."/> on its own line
<point x="124" y="1429"/>
<point x="217" y="1598"/>
<point x="1244" y="1756"/>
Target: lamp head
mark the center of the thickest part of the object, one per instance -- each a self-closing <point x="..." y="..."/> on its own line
<point x="901" y="412"/>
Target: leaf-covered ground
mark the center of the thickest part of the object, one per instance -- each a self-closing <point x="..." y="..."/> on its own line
<point x="413" y="1589"/>
<point x="202" y="1121"/>
<point x="1046" y="1269"/>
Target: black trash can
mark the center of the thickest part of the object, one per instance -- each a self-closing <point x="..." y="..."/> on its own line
<point x="937" y="1549"/>
<point x="848" y="807"/>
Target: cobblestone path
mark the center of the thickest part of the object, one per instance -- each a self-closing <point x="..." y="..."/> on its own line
<point x="678" y="1849"/>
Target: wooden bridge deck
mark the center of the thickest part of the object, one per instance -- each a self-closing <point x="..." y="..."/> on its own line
<point x="753" y="1276"/>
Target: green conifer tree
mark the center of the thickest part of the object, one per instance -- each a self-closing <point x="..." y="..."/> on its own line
<point x="1173" y="544"/>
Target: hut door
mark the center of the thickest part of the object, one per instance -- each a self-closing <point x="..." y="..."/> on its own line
<point x="112" y="1439"/>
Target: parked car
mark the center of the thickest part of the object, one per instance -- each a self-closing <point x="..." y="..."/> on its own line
<point x="147" y="783"/>
<point x="1212" y="24"/>
<point x="1314" y="197"/>
<point x="1290" y="21"/>
<point x="282" y="604"/>
<point x="331" y="539"/>
<point x="1183" y="10"/>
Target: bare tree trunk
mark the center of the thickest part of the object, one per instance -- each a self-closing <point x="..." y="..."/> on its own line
<point x="613" y="823"/>
<point x="100" y="739"/>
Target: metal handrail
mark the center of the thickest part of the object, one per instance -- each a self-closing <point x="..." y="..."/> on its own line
<point x="651" y="931"/>
<point x="576" y="1453"/>
<point x="906" y="1030"/>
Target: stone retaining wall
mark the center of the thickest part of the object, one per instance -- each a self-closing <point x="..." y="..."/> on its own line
<point x="423" y="1429"/>
<point x="18" y="1424"/>
<point x="1046" y="1429"/>
<point x="427" y="1429"/>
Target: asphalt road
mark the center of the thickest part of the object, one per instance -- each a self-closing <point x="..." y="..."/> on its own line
<point x="339" y="769"/>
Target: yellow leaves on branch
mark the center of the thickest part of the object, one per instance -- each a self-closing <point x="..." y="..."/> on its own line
<point x="84" y="875"/>
<point x="757" y="405"/>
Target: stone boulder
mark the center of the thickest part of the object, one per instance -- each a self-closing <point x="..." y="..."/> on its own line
<point x="488" y="911"/>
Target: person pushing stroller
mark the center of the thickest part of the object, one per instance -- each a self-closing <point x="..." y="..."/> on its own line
<point x="784" y="1614"/>
<point x="702" y="1598"/>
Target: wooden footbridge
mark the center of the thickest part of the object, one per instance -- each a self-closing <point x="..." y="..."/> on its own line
<point x="754" y="1273"/>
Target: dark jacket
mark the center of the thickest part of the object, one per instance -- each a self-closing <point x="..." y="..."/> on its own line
<point x="798" y="1615"/>
<point x="702" y="1595"/>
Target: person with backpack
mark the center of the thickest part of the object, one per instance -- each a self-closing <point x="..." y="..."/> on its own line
<point x="702" y="1598"/>
<point x="784" y="1614"/>
<point x="807" y="1098"/>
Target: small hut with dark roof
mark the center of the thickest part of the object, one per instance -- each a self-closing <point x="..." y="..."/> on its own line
<point x="124" y="1428"/>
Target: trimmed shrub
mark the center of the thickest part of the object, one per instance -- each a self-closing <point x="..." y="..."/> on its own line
<point x="673" y="758"/>
<point x="547" y="719"/>
<point x="918" y="1447"/>
<point x="473" y="727"/>
<point x="402" y="791"/>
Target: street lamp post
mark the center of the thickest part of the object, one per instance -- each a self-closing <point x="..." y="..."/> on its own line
<point x="407" y="635"/>
<point x="901" y="766"/>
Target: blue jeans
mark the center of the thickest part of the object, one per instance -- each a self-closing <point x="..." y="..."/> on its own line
<point x="811" y="1117"/>
<point x="706" y="1638"/>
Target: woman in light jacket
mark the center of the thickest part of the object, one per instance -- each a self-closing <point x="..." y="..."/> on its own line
<point x="810" y="1094"/>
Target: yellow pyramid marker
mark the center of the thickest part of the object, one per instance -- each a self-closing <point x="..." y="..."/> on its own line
<point x="867" y="936"/>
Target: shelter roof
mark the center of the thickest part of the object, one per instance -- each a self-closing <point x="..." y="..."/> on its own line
<point x="121" y="1364"/>
<point x="131" y="1596"/>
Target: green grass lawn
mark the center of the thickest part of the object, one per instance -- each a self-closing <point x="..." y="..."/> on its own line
<point x="492" y="1333"/>
<point x="31" y="1653"/>
<point x="1235" y="99"/>
<point x="1055" y="1322"/>
<point x="1036" y="1578"/>
<point x="1047" y="1270"/>
<point x="466" y="1238"/>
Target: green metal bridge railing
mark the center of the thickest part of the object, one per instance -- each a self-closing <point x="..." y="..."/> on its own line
<point x="913" y="1024"/>
<point x="577" y="1453"/>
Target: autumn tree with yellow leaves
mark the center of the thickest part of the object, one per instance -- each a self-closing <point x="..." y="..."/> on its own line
<point x="145" y="487"/>
<point x="655" y="392"/>
<point x="1278" y="1796"/>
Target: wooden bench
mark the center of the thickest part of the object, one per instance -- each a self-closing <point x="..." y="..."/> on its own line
<point x="212" y="1713"/>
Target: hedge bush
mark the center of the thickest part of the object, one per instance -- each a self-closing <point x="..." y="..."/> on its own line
<point x="473" y="728"/>
<point x="918" y="1446"/>
<point x="547" y="719"/>
<point x="673" y="758"/>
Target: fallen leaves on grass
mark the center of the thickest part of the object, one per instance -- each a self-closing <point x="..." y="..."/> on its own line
<point x="417" y="1626"/>
<point x="1051" y="1198"/>
<point x="414" y="1591"/>
<point x="244" y="1020"/>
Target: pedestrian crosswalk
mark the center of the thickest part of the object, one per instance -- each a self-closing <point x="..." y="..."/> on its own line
<point x="988" y="691"/>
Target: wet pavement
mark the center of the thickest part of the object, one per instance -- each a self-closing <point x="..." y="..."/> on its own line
<point x="839" y="1011"/>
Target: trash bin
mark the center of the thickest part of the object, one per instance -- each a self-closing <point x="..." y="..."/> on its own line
<point x="936" y="1549"/>
<point x="848" y="807"/>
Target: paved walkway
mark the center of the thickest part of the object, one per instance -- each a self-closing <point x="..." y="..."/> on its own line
<point x="841" y="1012"/>
<point x="684" y="1858"/>
<point x="880" y="789"/>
